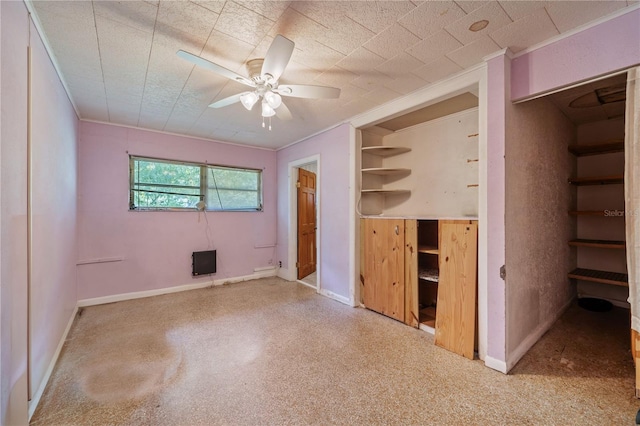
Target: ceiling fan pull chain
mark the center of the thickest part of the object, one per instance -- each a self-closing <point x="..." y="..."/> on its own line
<point x="263" y="122"/>
<point x="269" y="123"/>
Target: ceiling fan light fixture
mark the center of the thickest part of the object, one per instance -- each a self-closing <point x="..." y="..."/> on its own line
<point x="267" y="111"/>
<point x="249" y="99"/>
<point x="273" y="99"/>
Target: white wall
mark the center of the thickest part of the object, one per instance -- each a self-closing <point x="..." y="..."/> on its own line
<point x="440" y="170"/>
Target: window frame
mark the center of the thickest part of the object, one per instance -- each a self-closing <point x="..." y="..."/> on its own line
<point x="203" y="187"/>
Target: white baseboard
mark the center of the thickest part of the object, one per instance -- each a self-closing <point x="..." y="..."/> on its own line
<point x="334" y="296"/>
<point x="264" y="272"/>
<point x="35" y="400"/>
<point x="261" y="273"/>
<point x="531" y="339"/>
<point x="307" y="284"/>
<point x="495" y="364"/>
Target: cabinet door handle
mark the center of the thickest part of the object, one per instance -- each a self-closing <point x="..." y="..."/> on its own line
<point x="397" y="230"/>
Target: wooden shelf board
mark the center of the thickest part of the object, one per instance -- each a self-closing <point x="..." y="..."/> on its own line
<point x="597" y="180"/>
<point x="614" y="145"/>
<point x="597" y="243"/>
<point x="428" y="250"/>
<point x="383" y="171"/>
<point x="430" y="275"/>
<point x="386" y="191"/>
<point x="602" y="277"/>
<point x="385" y="151"/>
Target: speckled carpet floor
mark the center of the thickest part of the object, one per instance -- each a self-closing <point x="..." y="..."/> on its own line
<point x="270" y="352"/>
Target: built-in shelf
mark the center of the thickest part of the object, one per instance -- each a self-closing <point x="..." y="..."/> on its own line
<point x="431" y="275"/>
<point x="609" y="244"/>
<point x="386" y="191"/>
<point x="428" y="250"/>
<point x="597" y="180"/>
<point x="385" y="151"/>
<point x="386" y="171"/>
<point x="602" y="277"/>
<point x="614" y="145"/>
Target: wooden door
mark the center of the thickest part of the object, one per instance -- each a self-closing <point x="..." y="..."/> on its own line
<point x="456" y="308"/>
<point x="306" y="223"/>
<point x="383" y="266"/>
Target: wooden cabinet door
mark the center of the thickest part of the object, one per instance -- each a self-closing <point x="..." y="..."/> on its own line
<point x="456" y="310"/>
<point x="383" y="266"/>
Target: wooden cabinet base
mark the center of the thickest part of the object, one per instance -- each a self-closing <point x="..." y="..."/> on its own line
<point x="390" y="282"/>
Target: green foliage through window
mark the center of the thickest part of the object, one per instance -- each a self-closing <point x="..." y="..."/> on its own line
<point x="163" y="184"/>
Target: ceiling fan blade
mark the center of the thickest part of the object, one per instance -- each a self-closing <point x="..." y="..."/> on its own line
<point x="283" y="113"/>
<point x="227" y="101"/>
<point x="277" y="57"/>
<point x="201" y="62"/>
<point x="308" y="91"/>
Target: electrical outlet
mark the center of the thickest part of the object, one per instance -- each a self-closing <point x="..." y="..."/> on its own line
<point x="280" y="264"/>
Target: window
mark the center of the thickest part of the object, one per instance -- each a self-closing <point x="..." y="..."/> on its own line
<point x="163" y="185"/>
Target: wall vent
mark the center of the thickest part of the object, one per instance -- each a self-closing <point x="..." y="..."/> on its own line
<point x="203" y="262"/>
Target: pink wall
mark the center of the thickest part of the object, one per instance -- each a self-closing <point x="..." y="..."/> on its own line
<point x="497" y="99"/>
<point x="333" y="148"/>
<point x="53" y="285"/>
<point x="156" y="247"/>
<point x="13" y="211"/>
<point x="54" y="195"/>
<point x="596" y="51"/>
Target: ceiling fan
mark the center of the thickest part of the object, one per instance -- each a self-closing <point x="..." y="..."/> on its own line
<point x="263" y="79"/>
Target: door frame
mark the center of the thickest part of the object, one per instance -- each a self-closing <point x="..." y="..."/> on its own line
<point x="293" y="219"/>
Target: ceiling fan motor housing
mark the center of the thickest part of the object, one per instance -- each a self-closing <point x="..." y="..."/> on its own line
<point x="254" y="69"/>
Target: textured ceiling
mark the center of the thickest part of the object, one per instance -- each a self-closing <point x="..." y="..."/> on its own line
<point x="119" y="60"/>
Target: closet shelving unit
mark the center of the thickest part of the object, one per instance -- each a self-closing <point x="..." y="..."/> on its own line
<point x="381" y="173"/>
<point x="385" y="151"/>
<point x="428" y="271"/>
<point x="594" y="275"/>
